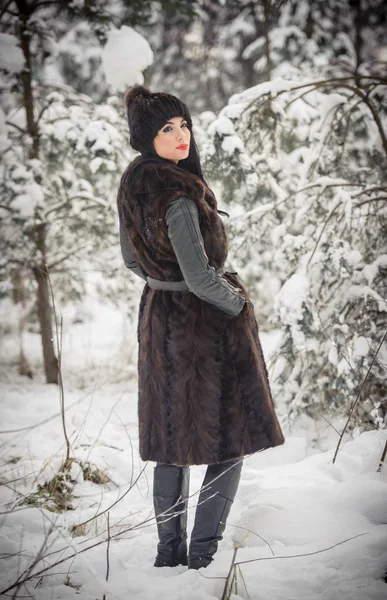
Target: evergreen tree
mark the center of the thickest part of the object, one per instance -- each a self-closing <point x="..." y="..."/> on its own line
<point x="61" y="160"/>
<point x="300" y="164"/>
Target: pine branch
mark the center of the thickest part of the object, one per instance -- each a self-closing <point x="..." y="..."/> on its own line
<point x="340" y="82"/>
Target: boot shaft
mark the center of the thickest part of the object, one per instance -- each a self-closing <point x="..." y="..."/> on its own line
<point x="217" y="494"/>
<point x="170" y="501"/>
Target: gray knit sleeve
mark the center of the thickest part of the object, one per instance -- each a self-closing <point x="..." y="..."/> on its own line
<point x="182" y="219"/>
<point x="128" y="257"/>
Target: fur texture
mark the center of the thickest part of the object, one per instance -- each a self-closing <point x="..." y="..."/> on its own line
<point x="203" y="394"/>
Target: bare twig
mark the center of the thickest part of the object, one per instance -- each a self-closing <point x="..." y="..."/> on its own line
<point x="358" y="397"/>
<point x="116" y="501"/>
<point x="5" y="9"/>
<point x="331" y="213"/>
<point x="59" y="338"/>
<point x="4" y="556"/>
<point x="382" y="458"/>
<point x="254" y="533"/>
<point x="107" y="554"/>
<point x="242" y="562"/>
<point x="230" y="577"/>
<point x="54" y="416"/>
<point x="76" y="250"/>
<point x="16" y="127"/>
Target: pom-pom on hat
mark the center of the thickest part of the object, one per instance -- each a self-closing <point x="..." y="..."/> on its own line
<point x="148" y="112"/>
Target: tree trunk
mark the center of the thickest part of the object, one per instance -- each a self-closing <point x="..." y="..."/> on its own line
<point x="28" y="99"/>
<point x="356" y="4"/>
<point x="38" y="234"/>
<point x="266" y="10"/>
<point x="45" y="320"/>
<point x="19" y="299"/>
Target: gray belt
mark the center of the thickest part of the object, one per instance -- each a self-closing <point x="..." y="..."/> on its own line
<point x="172" y="286"/>
<point x="176" y="286"/>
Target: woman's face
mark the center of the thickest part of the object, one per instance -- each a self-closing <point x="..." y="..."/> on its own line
<point x="173" y="139"/>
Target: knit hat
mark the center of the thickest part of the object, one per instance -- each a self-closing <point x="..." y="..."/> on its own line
<point x="148" y="112"/>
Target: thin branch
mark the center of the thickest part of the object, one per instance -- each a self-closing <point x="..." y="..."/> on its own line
<point x="242" y="562"/>
<point x="375" y="188"/>
<point x="384" y="454"/>
<point x="358" y="396"/>
<point x="11" y="555"/>
<point x="59" y="338"/>
<point x="53" y="265"/>
<point x="230" y="577"/>
<point x="39" y="423"/>
<point x="107" y="554"/>
<point x="377" y="199"/>
<point x="254" y="533"/>
<point x="43" y="110"/>
<point x="23" y="131"/>
<point x="106" y="510"/>
<point x="322" y="231"/>
<point x="46" y="3"/>
<point x="5" y="7"/>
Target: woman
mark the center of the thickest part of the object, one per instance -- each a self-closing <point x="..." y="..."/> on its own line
<point x="203" y="391"/>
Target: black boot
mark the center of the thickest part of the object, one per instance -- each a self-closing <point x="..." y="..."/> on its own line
<point x="171" y="487"/>
<point x="212" y="513"/>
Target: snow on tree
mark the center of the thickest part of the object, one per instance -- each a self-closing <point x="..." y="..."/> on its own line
<point x="61" y="159"/>
<point x="300" y="163"/>
<point x="126" y="55"/>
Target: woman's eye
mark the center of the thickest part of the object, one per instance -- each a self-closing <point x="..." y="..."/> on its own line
<point x="185" y="125"/>
<point x="167" y="129"/>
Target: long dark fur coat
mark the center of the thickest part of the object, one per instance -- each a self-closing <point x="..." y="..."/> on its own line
<point x="203" y="394"/>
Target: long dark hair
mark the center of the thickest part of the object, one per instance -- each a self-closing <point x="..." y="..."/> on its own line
<point x="193" y="165"/>
<point x="192" y="162"/>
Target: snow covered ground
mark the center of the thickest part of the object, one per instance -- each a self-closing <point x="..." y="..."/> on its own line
<point x="300" y="509"/>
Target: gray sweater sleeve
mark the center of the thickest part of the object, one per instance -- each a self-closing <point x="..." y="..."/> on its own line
<point x="182" y="219"/>
<point x="128" y="257"/>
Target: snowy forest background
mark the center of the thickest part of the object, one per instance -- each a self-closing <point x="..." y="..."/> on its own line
<point x="298" y="159"/>
<point x="290" y="112"/>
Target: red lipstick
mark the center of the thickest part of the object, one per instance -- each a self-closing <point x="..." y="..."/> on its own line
<point x="182" y="147"/>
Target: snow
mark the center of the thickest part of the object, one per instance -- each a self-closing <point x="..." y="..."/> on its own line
<point x="26" y="203"/>
<point x="233" y="111"/>
<point x="363" y="291"/>
<point x="293" y="499"/>
<point x="232" y="143"/>
<point x="11" y="56"/>
<point x="360" y="346"/>
<point x="125" y="55"/>
<point x="333" y="355"/>
<point x="273" y="87"/>
<point x="290" y="299"/>
<point x="354" y="257"/>
<point x="221" y="126"/>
